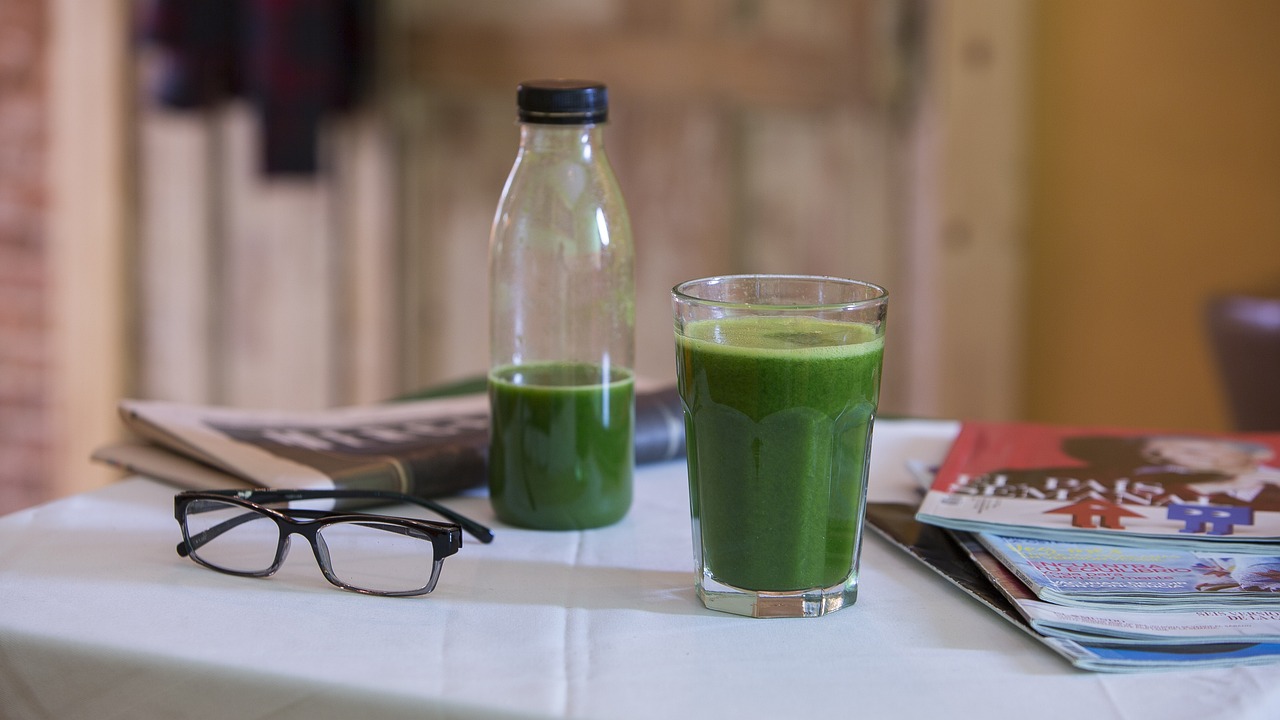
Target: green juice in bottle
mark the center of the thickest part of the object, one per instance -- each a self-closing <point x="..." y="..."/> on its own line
<point x="562" y="318"/>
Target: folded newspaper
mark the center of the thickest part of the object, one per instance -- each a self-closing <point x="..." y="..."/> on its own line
<point x="431" y="447"/>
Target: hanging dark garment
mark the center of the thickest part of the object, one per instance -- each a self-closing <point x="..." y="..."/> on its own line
<point x="296" y="61"/>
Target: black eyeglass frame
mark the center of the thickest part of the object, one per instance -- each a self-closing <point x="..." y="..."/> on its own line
<point x="446" y="538"/>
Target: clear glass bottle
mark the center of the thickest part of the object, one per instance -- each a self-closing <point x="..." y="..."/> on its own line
<point x="562" y="320"/>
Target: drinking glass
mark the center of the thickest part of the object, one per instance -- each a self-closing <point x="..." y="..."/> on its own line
<point x="779" y="376"/>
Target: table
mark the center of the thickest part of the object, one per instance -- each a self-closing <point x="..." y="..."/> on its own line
<point x="100" y="618"/>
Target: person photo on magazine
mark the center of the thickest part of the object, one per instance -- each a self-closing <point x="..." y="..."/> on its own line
<point x="1219" y="471"/>
<point x="1247" y="478"/>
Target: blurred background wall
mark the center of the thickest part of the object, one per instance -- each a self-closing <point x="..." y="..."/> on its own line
<point x="1155" y="185"/>
<point x="24" y="433"/>
<point x="1051" y="189"/>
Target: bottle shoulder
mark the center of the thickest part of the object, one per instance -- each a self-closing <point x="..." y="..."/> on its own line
<point x="568" y="200"/>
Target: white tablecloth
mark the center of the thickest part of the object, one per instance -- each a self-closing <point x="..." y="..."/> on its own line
<point x="100" y="618"/>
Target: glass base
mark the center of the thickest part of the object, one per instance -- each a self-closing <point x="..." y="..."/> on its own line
<point x="812" y="602"/>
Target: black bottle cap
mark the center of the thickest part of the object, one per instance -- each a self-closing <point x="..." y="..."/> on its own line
<point x="562" y="102"/>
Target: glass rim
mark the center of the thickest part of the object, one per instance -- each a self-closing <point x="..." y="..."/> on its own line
<point x="881" y="295"/>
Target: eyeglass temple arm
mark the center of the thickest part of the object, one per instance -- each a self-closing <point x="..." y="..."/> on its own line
<point x="195" y="542"/>
<point x="414" y="533"/>
<point x="475" y="529"/>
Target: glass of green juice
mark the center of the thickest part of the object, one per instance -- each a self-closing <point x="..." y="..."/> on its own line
<point x="779" y="376"/>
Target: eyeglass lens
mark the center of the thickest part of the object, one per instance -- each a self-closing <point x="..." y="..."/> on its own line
<point x="231" y="537"/>
<point x="378" y="556"/>
<point x="368" y="555"/>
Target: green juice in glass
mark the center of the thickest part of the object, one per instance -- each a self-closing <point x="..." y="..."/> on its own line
<point x="562" y="451"/>
<point x="778" y="413"/>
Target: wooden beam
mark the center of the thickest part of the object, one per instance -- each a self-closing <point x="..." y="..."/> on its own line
<point x="749" y="69"/>
<point x="89" y="230"/>
<point x="964" y="309"/>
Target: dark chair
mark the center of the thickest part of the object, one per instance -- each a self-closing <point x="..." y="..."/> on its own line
<point x="1244" y="332"/>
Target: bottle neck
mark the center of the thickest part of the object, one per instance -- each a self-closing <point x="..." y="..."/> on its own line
<point x="577" y="140"/>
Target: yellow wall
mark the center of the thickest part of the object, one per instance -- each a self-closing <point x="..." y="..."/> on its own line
<point x="1155" y="182"/>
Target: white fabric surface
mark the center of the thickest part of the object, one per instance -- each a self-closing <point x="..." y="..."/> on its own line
<point x="100" y="618"/>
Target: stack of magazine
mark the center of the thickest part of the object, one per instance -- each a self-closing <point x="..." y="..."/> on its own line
<point x="1119" y="549"/>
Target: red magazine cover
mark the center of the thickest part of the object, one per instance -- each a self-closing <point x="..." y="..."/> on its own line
<point x="1111" y="485"/>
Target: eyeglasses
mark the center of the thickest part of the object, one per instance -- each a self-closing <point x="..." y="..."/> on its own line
<point x="232" y="531"/>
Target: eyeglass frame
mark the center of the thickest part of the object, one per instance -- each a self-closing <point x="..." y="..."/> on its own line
<point x="446" y="538"/>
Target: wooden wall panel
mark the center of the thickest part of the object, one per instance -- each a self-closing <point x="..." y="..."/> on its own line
<point x="679" y="200"/>
<point x="804" y="136"/>
<point x="279" y="271"/>
<point x="177" y="257"/>
<point x="884" y="154"/>
<point x="368" y="295"/>
<point x="264" y="292"/>
<point x="816" y="194"/>
<point x="456" y="156"/>
<point x="746" y="137"/>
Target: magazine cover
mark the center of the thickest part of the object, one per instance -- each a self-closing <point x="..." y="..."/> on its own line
<point x="1154" y="578"/>
<point x="1132" y="625"/>
<point x="1220" y="493"/>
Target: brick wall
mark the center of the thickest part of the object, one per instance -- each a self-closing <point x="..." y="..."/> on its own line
<point x="23" y="276"/>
